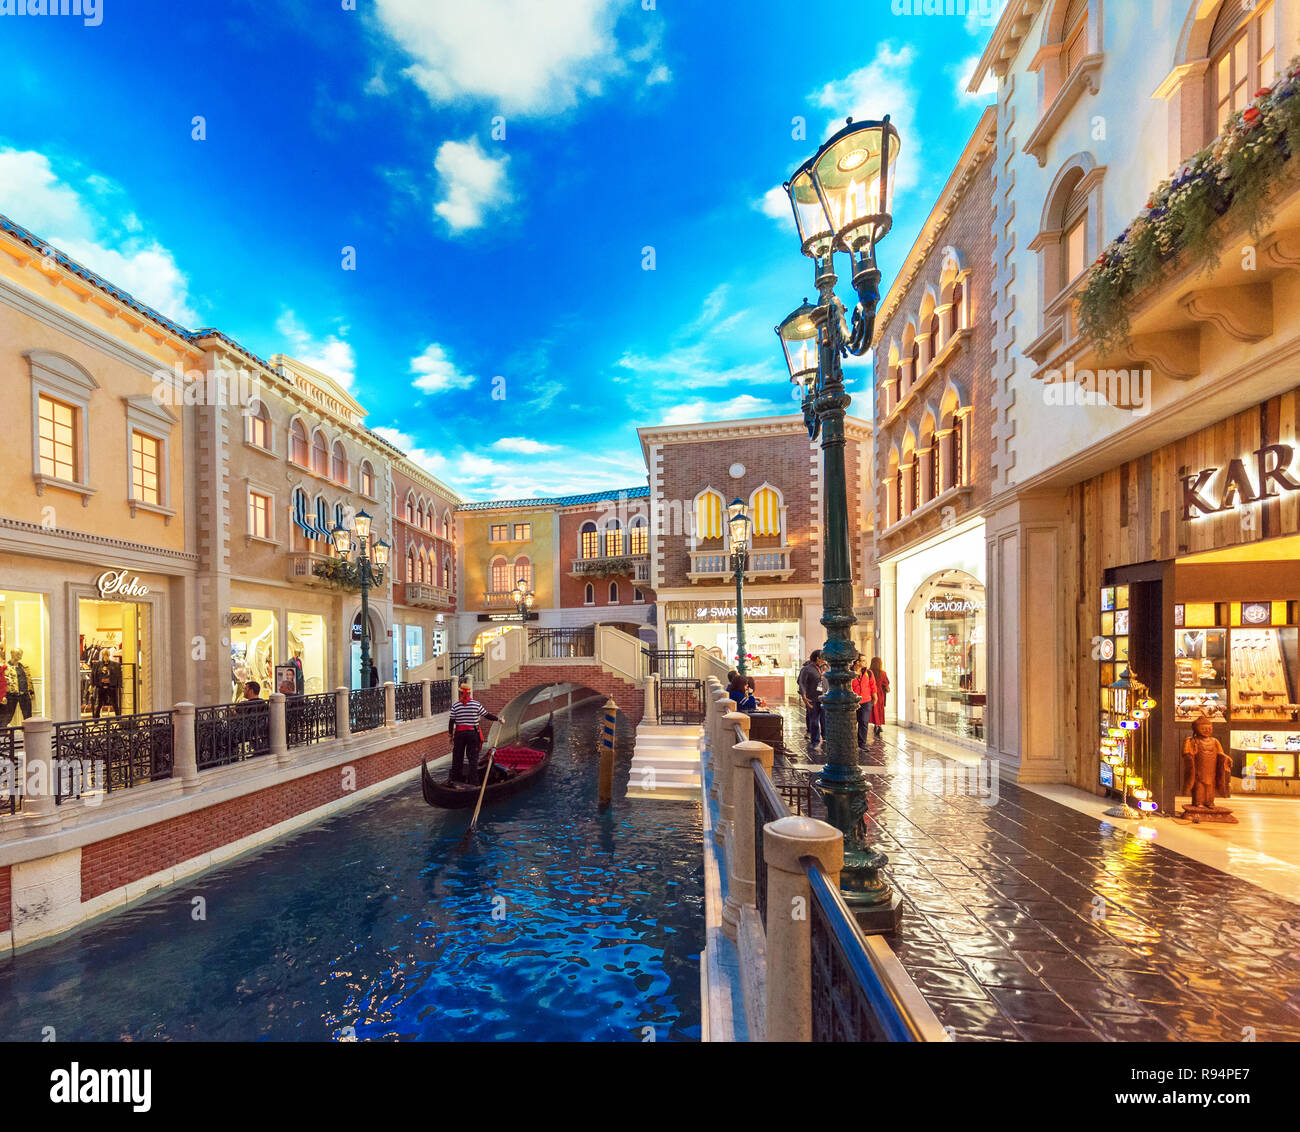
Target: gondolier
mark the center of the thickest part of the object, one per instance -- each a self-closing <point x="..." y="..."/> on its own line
<point x="466" y="738"/>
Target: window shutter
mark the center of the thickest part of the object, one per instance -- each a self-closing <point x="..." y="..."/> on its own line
<point x="1231" y="16"/>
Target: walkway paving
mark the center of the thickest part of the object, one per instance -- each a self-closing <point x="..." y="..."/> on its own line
<point x="1026" y="920"/>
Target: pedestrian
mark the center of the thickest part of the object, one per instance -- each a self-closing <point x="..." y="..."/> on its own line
<point x="882" y="693"/>
<point x="741" y="694"/>
<point x="811" y="689"/>
<point x="374" y="675"/>
<point x="753" y="694"/>
<point x="466" y="738"/>
<point x="252" y="690"/>
<point x="864" y="687"/>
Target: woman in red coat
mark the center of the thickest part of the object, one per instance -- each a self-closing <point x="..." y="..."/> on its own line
<point x="882" y="692"/>
<point x="864" y="687"/>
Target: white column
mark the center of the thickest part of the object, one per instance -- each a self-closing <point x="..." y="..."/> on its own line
<point x="740" y="863"/>
<point x="789" y="934"/>
<point x="342" y="713"/>
<point x="390" y="704"/>
<point x="185" y="764"/>
<point x="426" y="698"/>
<point x="38" y="771"/>
<point x="279" y="736"/>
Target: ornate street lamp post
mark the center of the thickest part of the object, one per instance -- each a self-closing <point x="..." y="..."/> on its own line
<point x="738" y="521"/>
<point x="370" y="572"/>
<point x="842" y="202"/>
<point x="524" y="598"/>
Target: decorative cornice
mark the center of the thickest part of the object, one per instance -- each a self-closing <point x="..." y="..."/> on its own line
<point x="45" y="535"/>
<point x="1006" y="40"/>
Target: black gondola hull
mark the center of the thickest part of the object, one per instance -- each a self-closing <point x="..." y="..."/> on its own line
<point x="445" y="796"/>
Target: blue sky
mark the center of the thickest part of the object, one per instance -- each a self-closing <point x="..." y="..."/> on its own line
<point x="628" y="124"/>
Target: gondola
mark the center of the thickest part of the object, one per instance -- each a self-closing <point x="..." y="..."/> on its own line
<point x="519" y="766"/>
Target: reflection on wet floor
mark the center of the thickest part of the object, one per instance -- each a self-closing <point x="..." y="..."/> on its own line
<point x="1024" y="919"/>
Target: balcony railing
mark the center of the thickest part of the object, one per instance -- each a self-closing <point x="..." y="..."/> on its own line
<point x="299" y="568"/>
<point x="230" y="733"/>
<point x="408" y="701"/>
<point x="11" y="788"/>
<point x="465" y="664"/>
<point x="309" y="719"/>
<point x="366" y="708"/>
<point x="421" y="593"/>
<point x="493" y="599"/>
<point x="111" y="754"/>
<point x="715" y="565"/>
<point x="555" y="644"/>
<point x="634" y="566"/>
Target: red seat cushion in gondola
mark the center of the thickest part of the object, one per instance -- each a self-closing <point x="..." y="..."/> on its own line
<point x="519" y="758"/>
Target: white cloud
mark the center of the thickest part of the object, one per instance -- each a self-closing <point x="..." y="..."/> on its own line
<point x="526" y="58"/>
<point x="659" y="74"/>
<point x="332" y="355"/>
<point x="883" y="86"/>
<point x="960" y="73"/>
<point x="90" y="223"/>
<point x="776" y="204"/>
<point x="436" y="372"/>
<point x="746" y="405"/>
<point x="523" y="445"/>
<point x="473" y="184"/>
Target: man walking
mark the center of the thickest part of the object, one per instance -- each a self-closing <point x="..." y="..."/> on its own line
<point x="811" y="689"/>
<point x="466" y="739"/>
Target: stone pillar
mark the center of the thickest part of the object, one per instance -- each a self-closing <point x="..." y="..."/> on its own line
<point x="185" y="765"/>
<point x="279" y="735"/>
<point x="342" y="713"/>
<point x="426" y="698"/>
<point x="722" y="765"/>
<point x="740" y="862"/>
<point x="789" y="935"/>
<point x="390" y="704"/>
<point x="651" y="691"/>
<point x="38" y="771"/>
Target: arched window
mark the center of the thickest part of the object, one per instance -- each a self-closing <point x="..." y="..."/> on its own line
<point x="1243" y="57"/>
<point x="322" y="516"/>
<point x="338" y="515"/>
<point x="448" y="531"/>
<point x="708" y="515"/>
<point x="613" y="593"/>
<point x="916" y="362"/>
<point x="499" y="571"/>
<point x="893" y="499"/>
<point x="320" y="453"/>
<point x="259" y="425"/>
<point x="523" y="572"/>
<point x="339" y="464"/>
<point x="637" y="595"/>
<point x="410" y="509"/>
<point x="298" y="450"/>
<point x="638" y="536"/>
<point x="411" y="575"/>
<point x="928" y="479"/>
<point x="1074" y="238"/>
<point x="589" y="541"/>
<point x="958" y="314"/>
<point x="300" y="507"/>
<point x="613" y="539"/>
<point x="934" y="336"/>
<point x="367" y="484"/>
<point x="446" y="572"/>
<point x="419" y="514"/>
<point x="589" y="595"/>
<point x="958" y="455"/>
<point x="765" y="511"/>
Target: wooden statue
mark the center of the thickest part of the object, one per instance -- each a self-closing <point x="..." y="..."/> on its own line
<point x="1207" y="771"/>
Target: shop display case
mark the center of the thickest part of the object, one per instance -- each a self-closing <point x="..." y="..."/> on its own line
<point x="1265" y="754"/>
<point x="1263" y="674"/>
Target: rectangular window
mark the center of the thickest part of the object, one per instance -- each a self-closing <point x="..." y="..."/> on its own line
<point x="523" y="532"/>
<point x="259" y="515"/>
<point x="499" y="532"/>
<point x="1075" y="254"/>
<point x="259" y="431"/>
<point x="639" y="539"/>
<point x="1076" y="46"/>
<point x="145" y="451"/>
<point x="613" y="542"/>
<point x="590" y="544"/>
<point x="58" y="444"/>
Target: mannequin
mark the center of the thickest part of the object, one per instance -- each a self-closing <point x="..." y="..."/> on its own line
<point x="106" y="684"/>
<point x="1207" y="770"/>
<point x="18" y="693"/>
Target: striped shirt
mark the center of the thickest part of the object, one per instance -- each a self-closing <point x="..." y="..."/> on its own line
<point x="467" y="714"/>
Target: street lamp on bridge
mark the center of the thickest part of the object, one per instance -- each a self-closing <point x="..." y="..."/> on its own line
<point x="842" y="199"/>
<point x="371" y="561"/>
<point x="738" y="521"/>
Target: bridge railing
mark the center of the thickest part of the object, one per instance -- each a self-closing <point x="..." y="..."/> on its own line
<point x="824" y="980"/>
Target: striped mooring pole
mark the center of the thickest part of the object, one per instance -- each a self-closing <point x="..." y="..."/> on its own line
<point x="607" y="755"/>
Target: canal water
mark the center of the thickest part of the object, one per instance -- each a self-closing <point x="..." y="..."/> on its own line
<point x="558" y="924"/>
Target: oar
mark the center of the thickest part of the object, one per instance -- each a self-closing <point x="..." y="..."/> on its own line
<point x="487" y="774"/>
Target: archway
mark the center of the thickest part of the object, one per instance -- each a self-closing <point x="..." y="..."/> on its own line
<point x="946" y="623"/>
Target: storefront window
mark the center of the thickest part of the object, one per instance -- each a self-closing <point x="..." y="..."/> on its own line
<point x="774" y="647"/>
<point x="22" y="657"/>
<point x="948" y="622"/>
<point x="307" y="647"/>
<point x="414" y="646"/>
<point x="253" y="650"/>
<point x="115" y="654"/>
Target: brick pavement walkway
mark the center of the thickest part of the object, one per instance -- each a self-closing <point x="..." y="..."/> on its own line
<point x="1027" y="920"/>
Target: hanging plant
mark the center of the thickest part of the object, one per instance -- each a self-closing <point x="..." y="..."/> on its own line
<point x="340" y="573"/>
<point x="1234" y="180"/>
<point x="606" y="568"/>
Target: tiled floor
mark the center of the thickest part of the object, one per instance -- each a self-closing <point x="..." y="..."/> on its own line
<point x="1028" y="920"/>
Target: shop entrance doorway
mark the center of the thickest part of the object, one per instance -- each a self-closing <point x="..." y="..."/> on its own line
<point x="114" y="654"/>
<point x="946" y="682"/>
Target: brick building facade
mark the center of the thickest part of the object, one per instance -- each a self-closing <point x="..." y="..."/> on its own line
<point x="933" y="355"/>
<point x="424" y="565"/>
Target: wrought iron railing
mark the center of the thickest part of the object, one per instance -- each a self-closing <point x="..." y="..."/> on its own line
<point x="366" y="708"/>
<point x="850" y="1000"/>
<point x="230" y="733"/>
<point x="679" y="701"/>
<point x="668" y="664"/>
<point x="439" y="695"/>
<point x="408" y="701"/>
<point x="464" y="664"/>
<point x="11" y="778"/>
<point x="554" y="644"/>
<point x="309" y="719"/>
<point x="111" y="753"/>
<point x="768" y="806"/>
<point x="796" y="789"/>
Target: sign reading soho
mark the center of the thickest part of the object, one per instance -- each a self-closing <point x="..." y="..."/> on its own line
<point x="1272" y="473"/>
<point x="113" y="583"/>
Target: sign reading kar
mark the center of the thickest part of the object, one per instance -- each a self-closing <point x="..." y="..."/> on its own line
<point x="1213" y="490"/>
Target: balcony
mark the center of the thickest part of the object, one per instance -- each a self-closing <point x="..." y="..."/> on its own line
<point x="431" y="597"/>
<point x="299" y="568"/>
<point x="504" y="600"/>
<point x="634" y="566"/>
<point x="766" y="562"/>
